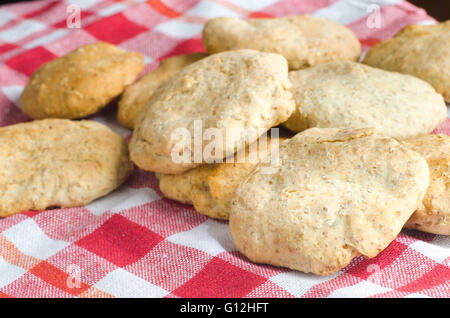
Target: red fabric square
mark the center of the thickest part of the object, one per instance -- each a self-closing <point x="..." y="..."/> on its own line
<point x="7" y="47"/>
<point x="29" y="61"/>
<point x="120" y="241"/>
<point x="220" y="279"/>
<point x="58" y="278"/>
<point x="114" y="29"/>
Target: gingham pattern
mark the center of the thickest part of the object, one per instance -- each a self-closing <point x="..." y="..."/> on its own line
<point x="134" y="242"/>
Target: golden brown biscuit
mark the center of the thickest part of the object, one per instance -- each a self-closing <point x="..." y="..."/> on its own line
<point x="209" y="188"/>
<point x="80" y="83"/>
<point x="59" y="163"/>
<point x="336" y="194"/>
<point x="137" y="94"/>
<point x="434" y="214"/>
<point x="303" y="40"/>
<point x="353" y="95"/>
<point x="191" y="187"/>
<point x="419" y="50"/>
<point x="242" y="90"/>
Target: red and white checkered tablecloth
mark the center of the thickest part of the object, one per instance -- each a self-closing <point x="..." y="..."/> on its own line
<point x="136" y="243"/>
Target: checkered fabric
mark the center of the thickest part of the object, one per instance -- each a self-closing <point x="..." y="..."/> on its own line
<point x="136" y="243"/>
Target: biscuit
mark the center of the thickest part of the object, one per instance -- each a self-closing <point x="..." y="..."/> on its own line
<point x="434" y="214"/>
<point x="209" y="188"/>
<point x="336" y="194"/>
<point x="191" y="187"/>
<point x="352" y="95"/>
<point x="137" y="94"/>
<point x="59" y="163"/>
<point x="419" y="50"/>
<point x="80" y="83"/>
<point x="303" y="40"/>
<point x="242" y="90"/>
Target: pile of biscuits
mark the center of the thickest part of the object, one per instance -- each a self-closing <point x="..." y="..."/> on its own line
<point x="313" y="157"/>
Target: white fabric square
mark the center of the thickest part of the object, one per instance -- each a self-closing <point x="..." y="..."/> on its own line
<point x="442" y="241"/>
<point x="179" y="29"/>
<point x="208" y="9"/>
<point x="28" y="237"/>
<point x="9" y="272"/>
<point x="122" y="199"/>
<point x="253" y="5"/>
<point x="13" y="93"/>
<point x="21" y="30"/>
<point x="5" y="17"/>
<point x="121" y="283"/>
<point x="435" y="252"/>
<point x="148" y="60"/>
<point x="427" y="22"/>
<point x="211" y="237"/>
<point x="363" y="289"/>
<point x="46" y="38"/>
<point x="84" y="4"/>
<point x="298" y="283"/>
<point x="112" y="9"/>
<point x="346" y="11"/>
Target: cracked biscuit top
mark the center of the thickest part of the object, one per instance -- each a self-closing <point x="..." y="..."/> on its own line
<point x="336" y="194"/>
